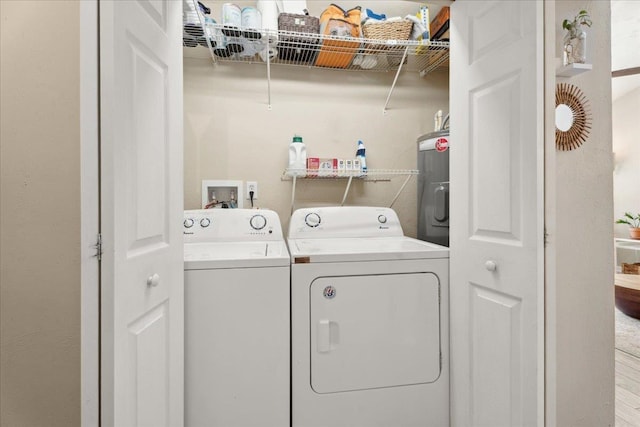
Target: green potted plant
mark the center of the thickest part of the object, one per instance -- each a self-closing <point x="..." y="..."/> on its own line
<point x="633" y="221"/>
<point x="575" y="41"/>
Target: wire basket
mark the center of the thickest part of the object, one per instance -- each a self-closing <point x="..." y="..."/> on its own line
<point x="631" y="268"/>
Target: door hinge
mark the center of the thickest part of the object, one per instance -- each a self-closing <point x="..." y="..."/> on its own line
<point x="545" y="237"/>
<point x="98" y="247"/>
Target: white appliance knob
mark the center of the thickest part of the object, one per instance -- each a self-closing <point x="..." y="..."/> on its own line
<point x="490" y="265"/>
<point x="188" y="223"/>
<point x="258" y="222"/>
<point x="312" y="220"/>
<point x="153" y="281"/>
<point x="205" y="222"/>
<point x="382" y="219"/>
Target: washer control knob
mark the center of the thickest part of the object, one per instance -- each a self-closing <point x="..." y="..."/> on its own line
<point x="382" y="219"/>
<point x="312" y="219"/>
<point x="188" y="223"/>
<point x="205" y="222"/>
<point x="258" y="222"/>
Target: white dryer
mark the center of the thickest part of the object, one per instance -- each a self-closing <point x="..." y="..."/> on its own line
<point x="237" y="335"/>
<point x="369" y="313"/>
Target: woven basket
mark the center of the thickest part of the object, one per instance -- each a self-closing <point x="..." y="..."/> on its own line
<point x="399" y="30"/>
<point x="631" y="268"/>
<point x="392" y="31"/>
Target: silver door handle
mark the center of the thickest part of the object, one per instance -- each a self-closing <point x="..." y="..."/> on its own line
<point x="153" y="281"/>
<point x="490" y="265"/>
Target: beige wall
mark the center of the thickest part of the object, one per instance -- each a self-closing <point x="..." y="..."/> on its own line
<point x="39" y="214"/>
<point x="580" y="325"/>
<point x="231" y="134"/>
<point x="626" y="175"/>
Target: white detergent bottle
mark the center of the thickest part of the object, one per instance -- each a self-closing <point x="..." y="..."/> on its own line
<point x="297" y="157"/>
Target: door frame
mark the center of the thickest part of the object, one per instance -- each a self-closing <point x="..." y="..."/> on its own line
<point x="89" y="214"/>
<point x="90" y="222"/>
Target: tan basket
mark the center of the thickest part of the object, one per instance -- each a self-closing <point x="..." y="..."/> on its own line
<point x="392" y="31"/>
<point x="400" y="30"/>
<point x="631" y="268"/>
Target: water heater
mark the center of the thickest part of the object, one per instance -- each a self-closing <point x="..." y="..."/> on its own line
<point x="433" y="187"/>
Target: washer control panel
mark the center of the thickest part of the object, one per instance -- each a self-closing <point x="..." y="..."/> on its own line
<point x="208" y="225"/>
<point x="344" y="221"/>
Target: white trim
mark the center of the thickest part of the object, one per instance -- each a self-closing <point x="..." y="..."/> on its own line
<point x="543" y="76"/>
<point x="550" y="305"/>
<point x="90" y="202"/>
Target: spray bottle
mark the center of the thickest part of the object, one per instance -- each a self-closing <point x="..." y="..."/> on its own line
<point x="360" y="154"/>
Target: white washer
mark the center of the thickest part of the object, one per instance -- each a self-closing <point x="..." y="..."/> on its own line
<point x="237" y="335"/>
<point x="369" y="313"/>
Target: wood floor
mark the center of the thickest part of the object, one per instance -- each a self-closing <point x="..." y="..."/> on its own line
<point x="627" y="390"/>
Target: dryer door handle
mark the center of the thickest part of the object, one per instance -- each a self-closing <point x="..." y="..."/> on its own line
<point x="327" y="336"/>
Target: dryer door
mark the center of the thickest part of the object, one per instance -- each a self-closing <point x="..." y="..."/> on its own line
<point x="374" y="331"/>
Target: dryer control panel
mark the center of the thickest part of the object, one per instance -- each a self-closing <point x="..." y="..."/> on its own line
<point x="206" y="225"/>
<point x="344" y="221"/>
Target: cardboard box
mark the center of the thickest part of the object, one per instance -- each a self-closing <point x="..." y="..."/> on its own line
<point x="357" y="167"/>
<point x="313" y="165"/>
<point x="341" y="167"/>
<point x="348" y="166"/>
<point x="440" y="24"/>
<point x="328" y="167"/>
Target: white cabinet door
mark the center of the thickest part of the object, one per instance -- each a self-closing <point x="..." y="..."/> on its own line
<point x="497" y="321"/>
<point x="141" y="213"/>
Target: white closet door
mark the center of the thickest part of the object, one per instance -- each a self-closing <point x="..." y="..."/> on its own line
<point x="141" y="210"/>
<point x="497" y="299"/>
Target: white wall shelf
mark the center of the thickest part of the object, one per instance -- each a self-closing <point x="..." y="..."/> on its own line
<point x="243" y="45"/>
<point x="371" y="175"/>
<point x="572" y="70"/>
<point x="632" y="244"/>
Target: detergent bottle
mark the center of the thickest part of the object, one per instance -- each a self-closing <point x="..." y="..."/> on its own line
<point x="297" y="157"/>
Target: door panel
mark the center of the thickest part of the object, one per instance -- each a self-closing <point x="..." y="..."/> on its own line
<point x="374" y="331"/>
<point x="497" y="213"/>
<point x="495" y="206"/>
<point x="149" y="340"/>
<point x="141" y="213"/>
<point x="495" y="324"/>
<point x="146" y="113"/>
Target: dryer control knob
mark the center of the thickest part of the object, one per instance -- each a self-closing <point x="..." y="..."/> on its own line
<point x="312" y="219"/>
<point x="382" y="219"/>
<point x="205" y="222"/>
<point x="188" y="223"/>
<point x="258" y="222"/>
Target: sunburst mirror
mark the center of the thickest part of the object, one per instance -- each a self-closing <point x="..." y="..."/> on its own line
<point x="573" y="118"/>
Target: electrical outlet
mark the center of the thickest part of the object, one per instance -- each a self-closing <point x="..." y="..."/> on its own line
<point x="252" y="186"/>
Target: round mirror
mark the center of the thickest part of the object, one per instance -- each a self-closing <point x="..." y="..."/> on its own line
<point x="573" y="118"/>
<point x="564" y="117"/>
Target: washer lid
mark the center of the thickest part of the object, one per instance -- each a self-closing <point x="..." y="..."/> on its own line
<point x="363" y="249"/>
<point x="201" y="256"/>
